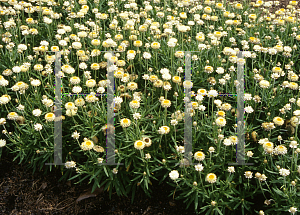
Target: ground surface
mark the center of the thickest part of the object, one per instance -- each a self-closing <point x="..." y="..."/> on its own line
<point x="24" y="193"/>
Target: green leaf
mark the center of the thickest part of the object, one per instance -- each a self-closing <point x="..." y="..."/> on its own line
<point x="95" y="175"/>
<point x="196" y="201"/>
<point x="96" y="184"/>
<point x="104" y="167"/>
<point x="217" y="209"/>
<point x="279" y="192"/>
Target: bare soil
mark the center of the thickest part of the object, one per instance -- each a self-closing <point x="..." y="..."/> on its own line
<point x="22" y="192"/>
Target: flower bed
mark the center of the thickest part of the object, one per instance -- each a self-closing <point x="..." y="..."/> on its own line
<point x="145" y="45"/>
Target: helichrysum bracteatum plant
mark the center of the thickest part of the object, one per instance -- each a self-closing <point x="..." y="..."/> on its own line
<point x="150" y="39"/>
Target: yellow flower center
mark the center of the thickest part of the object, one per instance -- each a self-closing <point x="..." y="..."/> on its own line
<point x="199" y="154"/>
<point x="139" y="143"/>
<point x="49" y="115"/>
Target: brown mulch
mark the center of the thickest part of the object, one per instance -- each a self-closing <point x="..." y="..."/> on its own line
<point x="23" y="193"/>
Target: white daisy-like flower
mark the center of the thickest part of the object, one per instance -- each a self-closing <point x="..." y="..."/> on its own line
<point x="36" y="112"/>
<point x="292" y="210"/>
<point x="281" y="149"/>
<point x="231" y="169"/>
<point x="2" y="121"/>
<point x="87" y="145"/>
<point x="199" y="156"/>
<point x="164" y="130"/>
<point x="35" y="82"/>
<point x="38" y="127"/>
<point x="50" y="117"/>
<point x="125" y="122"/>
<point x="139" y="144"/>
<point x="2" y="143"/>
<point x="76" y="89"/>
<point x="76" y="135"/>
<point x="293" y="144"/>
<point x="296" y="113"/>
<point x="147" y="156"/>
<point x="211" y="149"/>
<point x="220" y="70"/>
<point x="284" y="172"/>
<point x="174" y="122"/>
<point x="249" y="109"/>
<point x="118" y="100"/>
<point x="180" y="149"/>
<point x="211" y="178"/>
<point x="147" y="141"/>
<point x="12" y="116"/>
<point x="250" y="154"/>
<point x="263" y="177"/>
<point x="248" y="174"/>
<point x="247" y="97"/>
<point x="227" y="142"/>
<point x="199" y="97"/>
<point x="221" y="121"/>
<point x="199" y="167"/>
<point x="264" y="84"/>
<point x="146" y="77"/>
<point x="115" y="171"/>
<point x="174" y="174"/>
<point x="212" y="93"/>
<point x="100" y="90"/>
<point x="201" y="107"/>
<point x="136" y="116"/>
<point x="146" y="55"/>
<point x="262" y="141"/>
<point x="70" y="164"/>
<point x="20" y="107"/>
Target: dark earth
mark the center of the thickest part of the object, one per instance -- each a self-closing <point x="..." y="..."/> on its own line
<point x="22" y="193"/>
